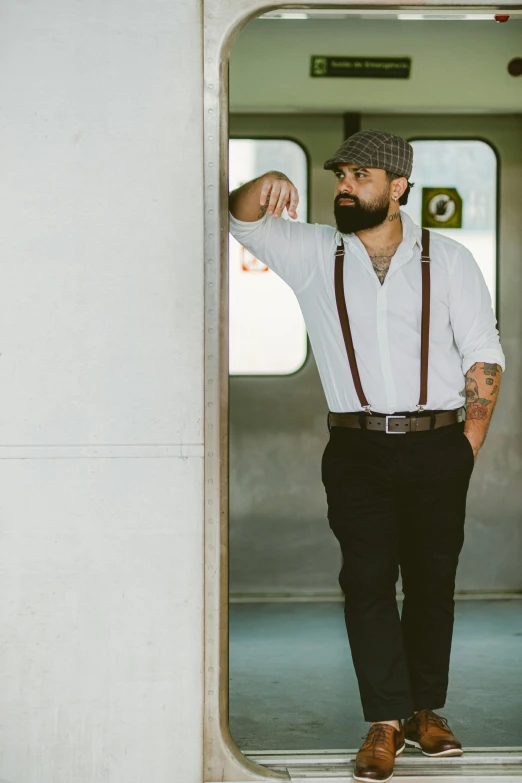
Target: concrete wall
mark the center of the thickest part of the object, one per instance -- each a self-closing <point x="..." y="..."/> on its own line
<point x="101" y="388"/>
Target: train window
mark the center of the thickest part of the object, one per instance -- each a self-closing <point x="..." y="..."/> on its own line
<point x="469" y="167"/>
<point x="267" y="334"/>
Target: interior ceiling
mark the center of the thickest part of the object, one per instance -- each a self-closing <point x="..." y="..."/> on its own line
<point x="469" y="74"/>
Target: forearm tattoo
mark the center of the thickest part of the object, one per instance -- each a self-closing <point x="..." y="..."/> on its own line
<point x="263" y="209"/>
<point x="482" y="384"/>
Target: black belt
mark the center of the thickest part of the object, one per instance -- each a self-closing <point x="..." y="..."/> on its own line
<point x="393" y="423"/>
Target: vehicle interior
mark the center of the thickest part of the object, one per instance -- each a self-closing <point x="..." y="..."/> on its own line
<point x="292" y="688"/>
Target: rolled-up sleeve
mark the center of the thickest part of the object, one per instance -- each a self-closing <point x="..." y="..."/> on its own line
<point x="285" y="246"/>
<point x="471" y="313"/>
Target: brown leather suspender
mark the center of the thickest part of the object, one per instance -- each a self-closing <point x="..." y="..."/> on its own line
<point x="345" y="323"/>
<point x="425" y="321"/>
<point x="425" y="318"/>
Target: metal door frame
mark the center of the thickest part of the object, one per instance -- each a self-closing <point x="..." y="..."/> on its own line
<point x="223" y="761"/>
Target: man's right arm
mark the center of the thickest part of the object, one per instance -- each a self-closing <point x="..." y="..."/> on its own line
<point x="270" y="192"/>
<point x="288" y="247"/>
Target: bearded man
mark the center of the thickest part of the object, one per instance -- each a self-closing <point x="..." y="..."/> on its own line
<point x="403" y="332"/>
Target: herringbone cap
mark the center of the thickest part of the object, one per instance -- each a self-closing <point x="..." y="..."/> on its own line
<point x="375" y="149"/>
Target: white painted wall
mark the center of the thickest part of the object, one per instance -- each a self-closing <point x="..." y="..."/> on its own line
<point x="101" y="285"/>
<point x="457" y="66"/>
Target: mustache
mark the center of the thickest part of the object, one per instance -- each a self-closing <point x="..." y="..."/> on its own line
<point x="347" y="197"/>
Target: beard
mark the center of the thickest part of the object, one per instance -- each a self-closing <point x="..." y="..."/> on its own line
<point x="362" y="215"/>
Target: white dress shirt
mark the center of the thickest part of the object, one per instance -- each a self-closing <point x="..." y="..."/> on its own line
<point x="385" y="319"/>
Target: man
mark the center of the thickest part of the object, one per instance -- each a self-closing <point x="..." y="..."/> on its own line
<point x="403" y="332"/>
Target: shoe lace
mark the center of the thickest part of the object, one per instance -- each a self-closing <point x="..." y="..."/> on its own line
<point x="436" y="720"/>
<point x="375" y="734"/>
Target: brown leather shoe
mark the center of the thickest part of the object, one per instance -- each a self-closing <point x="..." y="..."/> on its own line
<point x="377" y="754"/>
<point x="431" y="733"/>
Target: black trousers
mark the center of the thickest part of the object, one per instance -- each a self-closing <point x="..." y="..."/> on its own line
<point x="398" y="501"/>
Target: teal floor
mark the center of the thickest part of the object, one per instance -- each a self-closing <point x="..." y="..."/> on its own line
<point x="293" y="687"/>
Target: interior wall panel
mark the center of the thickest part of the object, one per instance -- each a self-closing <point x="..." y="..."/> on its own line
<point x="280" y="541"/>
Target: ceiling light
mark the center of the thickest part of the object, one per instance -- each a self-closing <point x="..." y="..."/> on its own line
<point x="443" y="17"/>
<point x="284" y="15"/>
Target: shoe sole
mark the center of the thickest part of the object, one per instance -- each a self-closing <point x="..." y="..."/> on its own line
<point x="380" y="780"/>
<point x="450" y="752"/>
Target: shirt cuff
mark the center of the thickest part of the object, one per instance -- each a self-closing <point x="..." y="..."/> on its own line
<point x="490" y="356"/>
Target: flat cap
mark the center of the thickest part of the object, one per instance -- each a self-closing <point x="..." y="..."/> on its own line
<point x="375" y="149"/>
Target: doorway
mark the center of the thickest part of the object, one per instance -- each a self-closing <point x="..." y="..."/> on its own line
<point x="277" y="607"/>
<point x="239" y="125"/>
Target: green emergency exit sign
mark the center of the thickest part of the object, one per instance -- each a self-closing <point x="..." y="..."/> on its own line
<point x="360" y="67"/>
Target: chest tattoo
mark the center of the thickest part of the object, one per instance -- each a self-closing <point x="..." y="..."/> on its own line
<point x="381" y="264"/>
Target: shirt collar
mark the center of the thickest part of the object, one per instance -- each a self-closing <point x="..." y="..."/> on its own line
<point x="411" y="233"/>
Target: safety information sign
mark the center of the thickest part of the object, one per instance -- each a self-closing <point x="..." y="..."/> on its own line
<point x="441" y="208"/>
<point x="361" y="67"/>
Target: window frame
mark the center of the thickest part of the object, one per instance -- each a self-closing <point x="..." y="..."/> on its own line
<point x="251" y="137"/>
<point x="497" y="199"/>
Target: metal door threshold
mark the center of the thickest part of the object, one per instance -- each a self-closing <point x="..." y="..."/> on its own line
<point x="475" y="764"/>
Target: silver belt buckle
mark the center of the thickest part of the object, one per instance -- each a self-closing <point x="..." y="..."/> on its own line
<point x="391" y="416"/>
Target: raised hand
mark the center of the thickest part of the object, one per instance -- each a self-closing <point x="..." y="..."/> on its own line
<point x="278" y="192"/>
